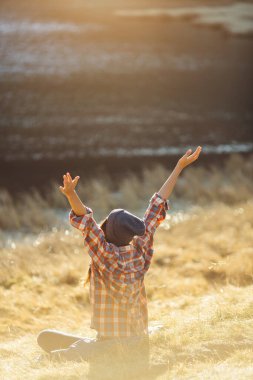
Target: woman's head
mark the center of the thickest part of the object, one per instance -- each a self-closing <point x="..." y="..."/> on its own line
<point x="103" y="225"/>
<point x="121" y="226"/>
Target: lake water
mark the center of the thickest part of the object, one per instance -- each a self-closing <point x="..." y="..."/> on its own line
<point x="112" y="82"/>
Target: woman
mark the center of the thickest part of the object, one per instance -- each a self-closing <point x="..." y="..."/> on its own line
<point x="121" y="250"/>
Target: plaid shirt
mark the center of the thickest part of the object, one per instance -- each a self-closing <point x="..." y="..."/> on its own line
<point x="117" y="291"/>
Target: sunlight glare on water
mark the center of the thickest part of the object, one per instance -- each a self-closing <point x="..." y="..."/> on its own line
<point x="234" y="18"/>
<point x="23" y="27"/>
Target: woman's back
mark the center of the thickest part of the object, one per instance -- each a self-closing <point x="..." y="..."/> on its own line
<point x="117" y="290"/>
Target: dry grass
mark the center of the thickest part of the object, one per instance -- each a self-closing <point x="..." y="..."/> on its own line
<point x="33" y="212"/>
<point x="199" y="287"/>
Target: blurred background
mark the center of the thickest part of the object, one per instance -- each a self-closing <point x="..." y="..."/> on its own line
<point x="112" y="87"/>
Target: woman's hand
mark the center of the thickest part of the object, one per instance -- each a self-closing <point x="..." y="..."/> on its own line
<point x="68" y="184"/>
<point x="188" y="158"/>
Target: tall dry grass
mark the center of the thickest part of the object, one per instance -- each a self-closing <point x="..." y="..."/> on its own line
<point x="199" y="286"/>
<point x="196" y="185"/>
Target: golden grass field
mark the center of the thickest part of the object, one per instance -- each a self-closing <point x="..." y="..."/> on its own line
<point x="199" y="286"/>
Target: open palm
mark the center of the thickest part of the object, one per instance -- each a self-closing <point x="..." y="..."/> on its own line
<point x="188" y="158"/>
<point x="69" y="184"/>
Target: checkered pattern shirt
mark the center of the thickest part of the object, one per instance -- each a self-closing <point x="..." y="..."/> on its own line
<point x="117" y="290"/>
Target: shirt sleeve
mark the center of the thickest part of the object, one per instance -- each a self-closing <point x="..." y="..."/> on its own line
<point x="153" y="217"/>
<point x="99" y="249"/>
<point x="155" y="213"/>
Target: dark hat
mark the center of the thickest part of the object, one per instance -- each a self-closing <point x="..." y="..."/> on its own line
<point x="122" y="226"/>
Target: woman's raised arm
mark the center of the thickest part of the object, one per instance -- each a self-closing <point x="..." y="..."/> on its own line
<point x="68" y="189"/>
<point x="184" y="161"/>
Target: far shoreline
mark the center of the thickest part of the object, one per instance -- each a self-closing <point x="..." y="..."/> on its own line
<point x="24" y="175"/>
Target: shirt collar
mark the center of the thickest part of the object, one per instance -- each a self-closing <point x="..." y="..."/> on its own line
<point x="125" y="248"/>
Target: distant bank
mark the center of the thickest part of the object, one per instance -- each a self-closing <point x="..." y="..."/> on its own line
<point x="23" y="175"/>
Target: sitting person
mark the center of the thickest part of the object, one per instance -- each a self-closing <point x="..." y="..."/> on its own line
<point x="121" y="250"/>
